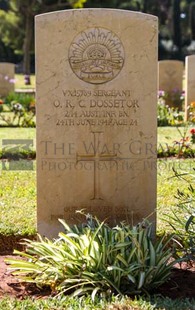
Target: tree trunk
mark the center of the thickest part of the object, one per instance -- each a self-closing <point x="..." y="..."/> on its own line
<point x="192" y="20"/>
<point x="27" y="44"/>
<point x="177" y="26"/>
<point x="145" y="6"/>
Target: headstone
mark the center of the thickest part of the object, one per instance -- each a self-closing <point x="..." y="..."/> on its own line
<point x="170" y="73"/>
<point x="189" y="84"/>
<point x="170" y="78"/>
<point x="7" y="72"/>
<point x="96" y="116"/>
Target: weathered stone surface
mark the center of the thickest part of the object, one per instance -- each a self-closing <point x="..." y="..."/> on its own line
<point x="7" y="71"/>
<point x="189" y="84"/>
<point x="96" y="73"/>
<point x="170" y="74"/>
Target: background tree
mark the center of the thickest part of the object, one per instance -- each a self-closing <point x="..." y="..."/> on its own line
<point x="10" y="35"/>
<point x="4" y="5"/>
<point x="176" y="22"/>
<point x="17" y="28"/>
<point x="192" y="20"/>
<point x="28" y="10"/>
<point x="177" y="39"/>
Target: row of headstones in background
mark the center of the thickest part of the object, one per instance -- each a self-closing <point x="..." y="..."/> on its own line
<point x="170" y="73"/>
<point x="96" y="90"/>
<point x="170" y="79"/>
<point x="190" y="84"/>
<point x="7" y="78"/>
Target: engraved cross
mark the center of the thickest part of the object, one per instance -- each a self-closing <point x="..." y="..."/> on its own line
<point x="96" y="157"/>
<point x="170" y="73"/>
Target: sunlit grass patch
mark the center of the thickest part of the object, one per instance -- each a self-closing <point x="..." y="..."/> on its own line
<point x="18" y="202"/>
<point x="20" y="82"/>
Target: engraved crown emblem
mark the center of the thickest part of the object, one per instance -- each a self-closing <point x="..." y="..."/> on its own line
<point x="96" y="55"/>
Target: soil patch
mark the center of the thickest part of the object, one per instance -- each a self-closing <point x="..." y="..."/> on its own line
<point x="181" y="284"/>
<point x="9" y="243"/>
<point x="10" y="285"/>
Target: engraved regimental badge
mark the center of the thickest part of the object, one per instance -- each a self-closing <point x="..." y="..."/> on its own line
<point x="96" y="55"/>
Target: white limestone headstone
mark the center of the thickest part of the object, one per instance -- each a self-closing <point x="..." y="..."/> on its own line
<point x="96" y="90"/>
<point x="189" y="85"/>
<point x="170" y="75"/>
<point x="7" y="73"/>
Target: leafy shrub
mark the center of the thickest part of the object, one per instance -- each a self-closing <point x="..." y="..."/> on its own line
<point x="167" y="116"/>
<point x="191" y="110"/>
<point x="192" y="132"/>
<point x="21" y="114"/>
<point x="182" y="148"/>
<point x="176" y="150"/>
<point x="1" y="105"/>
<point x="19" y="118"/>
<point x="18" y="154"/>
<point x="182" y="220"/>
<point x="173" y="98"/>
<point x="20" y="110"/>
<point x="25" y="100"/>
<point x="96" y="259"/>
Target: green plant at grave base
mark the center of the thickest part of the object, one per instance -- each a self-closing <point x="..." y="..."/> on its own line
<point x="1" y="105"/>
<point x="96" y="259"/>
<point x="23" y="117"/>
<point x="192" y="131"/>
<point x="167" y="116"/>
<point x="27" y="101"/>
<point x="192" y="112"/>
<point x="19" y="110"/>
<point x="175" y="151"/>
<point x="17" y="155"/>
<point x="181" y="148"/>
<point x="184" y="144"/>
<point x="182" y="219"/>
<point x="174" y="98"/>
<point x="18" y="118"/>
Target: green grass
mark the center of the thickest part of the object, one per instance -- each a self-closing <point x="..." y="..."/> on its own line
<point x="170" y="134"/>
<point x="17" y="133"/>
<point x="20" y="82"/>
<point x="165" y="134"/>
<point x="18" y="202"/>
<point x="167" y="186"/>
<point x="125" y="303"/>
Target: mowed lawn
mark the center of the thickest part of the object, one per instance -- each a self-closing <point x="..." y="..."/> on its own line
<point x="19" y="82"/>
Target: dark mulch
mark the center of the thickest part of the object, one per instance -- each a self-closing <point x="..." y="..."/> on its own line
<point x="182" y="282"/>
<point x="10" y="242"/>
